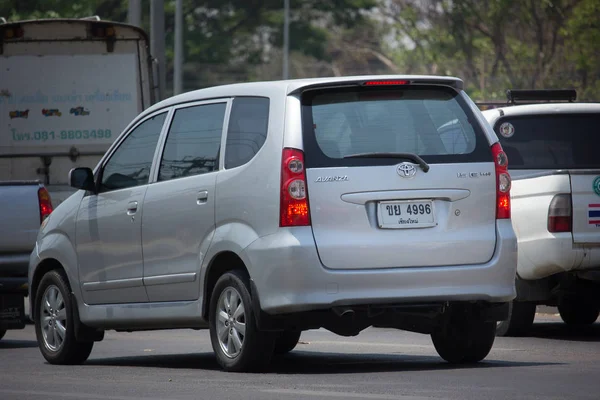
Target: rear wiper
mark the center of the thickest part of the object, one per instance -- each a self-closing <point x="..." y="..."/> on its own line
<point x="408" y="156"/>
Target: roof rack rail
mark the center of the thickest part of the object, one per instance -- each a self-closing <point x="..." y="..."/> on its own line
<point x="3" y="20"/>
<point x="92" y="18"/>
<point x="540" y="95"/>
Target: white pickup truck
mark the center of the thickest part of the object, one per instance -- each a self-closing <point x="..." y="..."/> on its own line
<point x="23" y="206"/>
<point x="554" y="160"/>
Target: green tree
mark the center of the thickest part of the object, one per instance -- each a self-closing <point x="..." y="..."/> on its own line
<point x="498" y="44"/>
<point x="224" y="40"/>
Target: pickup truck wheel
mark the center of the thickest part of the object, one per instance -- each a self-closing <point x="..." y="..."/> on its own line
<point x="54" y="322"/>
<point x="238" y="344"/>
<point x="575" y="312"/>
<point x="520" y="319"/>
<point x="2" y="333"/>
<point x="286" y="341"/>
<point x="464" y="341"/>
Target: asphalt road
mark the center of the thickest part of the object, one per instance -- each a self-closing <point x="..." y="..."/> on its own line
<point x="555" y="363"/>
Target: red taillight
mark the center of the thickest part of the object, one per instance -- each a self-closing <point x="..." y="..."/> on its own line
<point x="503" y="182"/>
<point x="560" y="214"/>
<point x="45" y="203"/>
<point x="294" y="197"/>
<point x="386" y="83"/>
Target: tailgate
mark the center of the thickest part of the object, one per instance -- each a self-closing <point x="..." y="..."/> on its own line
<point x="585" y="189"/>
<point x="370" y="206"/>
<point x="20" y="216"/>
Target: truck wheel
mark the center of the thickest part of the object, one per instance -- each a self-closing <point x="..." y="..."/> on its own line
<point x="54" y="322"/>
<point x="575" y="312"/>
<point x="286" y="341"/>
<point x="2" y="333"/>
<point x="238" y="344"/>
<point x="464" y="341"/>
<point x="520" y="319"/>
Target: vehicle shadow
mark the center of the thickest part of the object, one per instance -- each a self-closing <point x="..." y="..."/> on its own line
<point x="17" y="344"/>
<point x="310" y="363"/>
<point x="562" y="331"/>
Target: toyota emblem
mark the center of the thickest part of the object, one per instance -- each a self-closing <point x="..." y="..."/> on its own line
<point x="406" y="170"/>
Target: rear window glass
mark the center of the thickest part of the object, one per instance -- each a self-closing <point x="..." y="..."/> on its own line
<point x="431" y="122"/>
<point x="565" y="141"/>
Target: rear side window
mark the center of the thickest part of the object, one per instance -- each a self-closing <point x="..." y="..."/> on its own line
<point x="565" y="141"/>
<point x="193" y="142"/>
<point x="432" y="122"/>
<point x="247" y="129"/>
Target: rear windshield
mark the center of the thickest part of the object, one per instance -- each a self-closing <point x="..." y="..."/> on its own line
<point x="565" y="141"/>
<point x="432" y="122"/>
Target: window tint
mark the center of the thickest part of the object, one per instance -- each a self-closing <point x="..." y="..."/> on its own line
<point x="564" y="141"/>
<point x="130" y="164"/>
<point x="247" y="129"/>
<point x="432" y="122"/>
<point x="193" y="142"/>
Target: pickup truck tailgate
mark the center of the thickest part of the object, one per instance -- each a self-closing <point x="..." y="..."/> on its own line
<point x="19" y="217"/>
<point x="585" y="189"/>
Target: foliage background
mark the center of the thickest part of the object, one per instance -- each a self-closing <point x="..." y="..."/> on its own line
<point x="492" y="45"/>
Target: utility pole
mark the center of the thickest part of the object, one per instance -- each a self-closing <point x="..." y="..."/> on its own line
<point x="134" y="12"/>
<point x="178" y="62"/>
<point x="286" y="38"/>
<point x="157" y="42"/>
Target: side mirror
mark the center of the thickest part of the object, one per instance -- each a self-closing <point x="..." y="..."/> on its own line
<point x="82" y="178"/>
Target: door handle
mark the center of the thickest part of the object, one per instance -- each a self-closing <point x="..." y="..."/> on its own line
<point x="202" y="197"/>
<point x="132" y="207"/>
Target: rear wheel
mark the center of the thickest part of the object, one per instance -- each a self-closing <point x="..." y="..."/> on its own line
<point x="237" y="342"/>
<point x="54" y="322"/>
<point x="464" y="341"/>
<point x="2" y="333"/>
<point x="286" y="341"/>
<point x="576" y="312"/>
<point x="520" y="319"/>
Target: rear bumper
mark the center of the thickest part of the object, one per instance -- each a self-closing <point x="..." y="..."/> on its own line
<point x="289" y="277"/>
<point x="13" y="273"/>
<point x="548" y="256"/>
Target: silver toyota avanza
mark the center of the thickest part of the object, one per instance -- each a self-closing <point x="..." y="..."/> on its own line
<point x="260" y="210"/>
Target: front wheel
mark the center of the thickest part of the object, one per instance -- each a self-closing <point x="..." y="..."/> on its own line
<point x="574" y="312"/>
<point x="462" y="341"/>
<point x="54" y="322"/>
<point x="238" y="344"/>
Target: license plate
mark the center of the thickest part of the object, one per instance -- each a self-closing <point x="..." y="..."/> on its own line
<point x="406" y="214"/>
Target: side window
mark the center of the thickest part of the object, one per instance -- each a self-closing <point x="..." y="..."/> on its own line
<point x="193" y="142"/>
<point x="247" y="129"/>
<point x="130" y="164"/>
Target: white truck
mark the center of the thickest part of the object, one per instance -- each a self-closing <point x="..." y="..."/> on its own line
<point x="554" y="162"/>
<point x="68" y="87"/>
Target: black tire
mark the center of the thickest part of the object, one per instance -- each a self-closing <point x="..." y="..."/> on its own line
<point x="520" y="319"/>
<point x="464" y="341"/>
<point x="575" y="312"/>
<point x="286" y="341"/>
<point x="256" y="349"/>
<point x="71" y="351"/>
<point x="2" y="333"/>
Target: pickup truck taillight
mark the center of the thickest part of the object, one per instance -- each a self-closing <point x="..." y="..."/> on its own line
<point x="560" y="214"/>
<point x="503" y="182"/>
<point x="45" y="203"/>
<point x="293" y="209"/>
